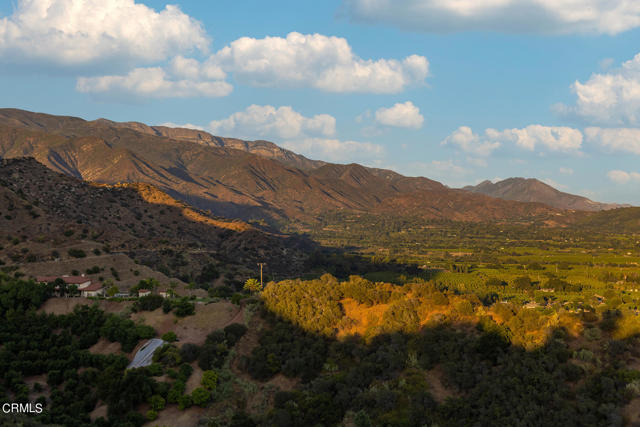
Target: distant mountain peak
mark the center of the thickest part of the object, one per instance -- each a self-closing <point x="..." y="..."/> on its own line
<point x="533" y="190"/>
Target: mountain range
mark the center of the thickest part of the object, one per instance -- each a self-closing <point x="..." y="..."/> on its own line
<point x="253" y="180"/>
<point x="533" y="190"/>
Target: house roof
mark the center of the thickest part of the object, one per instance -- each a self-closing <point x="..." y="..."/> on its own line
<point x="71" y="280"/>
<point x="95" y="286"/>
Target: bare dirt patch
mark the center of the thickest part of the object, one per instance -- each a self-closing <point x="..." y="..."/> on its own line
<point x="37" y="379"/>
<point x="631" y="412"/>
<point x="105" y="347"/>
<point x="435" y="378"/>
<point x="208" y="317"/>
<point x="194" y="380"/>
<point x="99" y="411"/>
<point x="157" y="319"/>
<point x="172" y="416"/>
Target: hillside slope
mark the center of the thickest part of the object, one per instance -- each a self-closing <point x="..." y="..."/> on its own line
<point x="44" y="214"/>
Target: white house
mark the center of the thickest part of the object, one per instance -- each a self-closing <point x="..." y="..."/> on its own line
<point x="93" y="290"/>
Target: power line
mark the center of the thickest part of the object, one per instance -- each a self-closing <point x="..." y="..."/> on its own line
<point x="261" y="264"/>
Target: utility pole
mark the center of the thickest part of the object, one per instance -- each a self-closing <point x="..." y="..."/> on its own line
<point x="261" y="264"/>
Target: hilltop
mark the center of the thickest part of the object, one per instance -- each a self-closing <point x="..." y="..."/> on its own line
<point x="533" y="190"/>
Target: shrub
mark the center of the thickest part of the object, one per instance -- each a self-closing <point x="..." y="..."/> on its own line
<point x="76" y="253"/>
<point x="155" y="369"/>
<point x="200" y="396"/>
<point x="170" y="336"/>
<point x="166" y="306"/>
<point x="208" y="274"/>
<point x="223" y="291"/>
<point x="148" y="303"/>
<point x="93" y="270"/>
<point x="152" y="415"/>
<point x="236" y="298"/>
<point x="209" y="379"/>
<point x="584" y="355"/>
<point x="157" y="402"/>
<point x="234" y="332"/>
<point x="185" y="401"/>
<point x="183" y="308"/>
<point x="189" y="352"/>
<point x="168" y="355"/>
<point x="176" y="391"/>
<point x="184" y="372"/>
<point x="593" y="334"/>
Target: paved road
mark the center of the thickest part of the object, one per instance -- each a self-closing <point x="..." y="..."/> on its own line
<point x="144" y="356"/>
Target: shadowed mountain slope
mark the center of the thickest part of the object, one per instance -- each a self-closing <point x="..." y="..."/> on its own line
<point x="49" y="210"/>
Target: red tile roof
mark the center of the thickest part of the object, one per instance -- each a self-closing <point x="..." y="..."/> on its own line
<point x="95" y="286"/>
<point x="70" y="280"/>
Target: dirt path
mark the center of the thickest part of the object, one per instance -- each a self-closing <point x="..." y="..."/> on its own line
<point x="238" y="318"/>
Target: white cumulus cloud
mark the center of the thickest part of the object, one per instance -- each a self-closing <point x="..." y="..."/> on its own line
<point x="266" y="121"/>
<point x="609" y="98"/>
<point x="464" y="139"/>
<point x="335" y="150"/>
<point x="512" y="16"/>
<point x="90" y="32"/>
<point x="298" y="60"/>
<point x="554" y="138"/>
<point x="622" y="177"/>
<point x="532" y="137"/>
<point x="182" y="126"/>
<point x="153" y="82"/>
<point x="317" y="61"/>
<point x="405" y="115"/>
<point x="615" y="139"/>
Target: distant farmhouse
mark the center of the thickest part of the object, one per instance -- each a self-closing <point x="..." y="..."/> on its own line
<point x="93" y="290"/>
<point x="80" y="281"/>
<point x="84" y="284"/>
<point x="88" y="288"/>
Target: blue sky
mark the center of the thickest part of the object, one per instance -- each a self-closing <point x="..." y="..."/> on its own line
<point x="458" y="91"/>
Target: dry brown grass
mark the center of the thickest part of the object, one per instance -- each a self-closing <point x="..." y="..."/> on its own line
<point x="194" y="329"/>
<point x="631" y="413"/>
<point x="105" y="347"/>
<point x="439" y="392"/>
<point x="66" y="305"/>
<point x="194" y="380"/>
<point x="172" y="416"/>
<point x="124" y="265"/>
